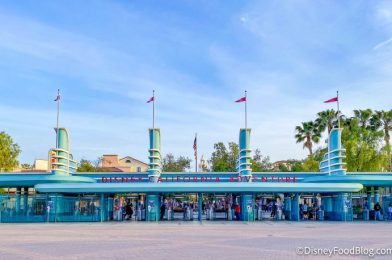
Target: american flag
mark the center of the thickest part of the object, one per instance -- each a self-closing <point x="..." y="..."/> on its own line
<point x="195" y="146"/>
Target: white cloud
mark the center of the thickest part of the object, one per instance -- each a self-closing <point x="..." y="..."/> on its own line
<point x="286" y="56"/>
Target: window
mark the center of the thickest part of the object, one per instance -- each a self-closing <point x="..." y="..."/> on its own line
<point x="139" y="169"/>
<point x="128" y="161"/>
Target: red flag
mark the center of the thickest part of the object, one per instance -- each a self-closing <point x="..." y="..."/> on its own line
<point x="58" y="95"/>
<point x="335" y="99"/>
<point x="150" y="100"/>
<point x="243" y="99"/>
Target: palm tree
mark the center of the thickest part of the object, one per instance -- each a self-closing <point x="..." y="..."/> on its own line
<point x="364" y="117"/>
<point x="326" y="119"/>
<point x="308" y="133"/>
<point x="383" y="120"/>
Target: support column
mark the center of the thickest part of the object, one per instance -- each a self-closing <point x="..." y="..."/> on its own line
<point x="326" y="202"/>
<point x="152" y="207"/>
<point x="287" y="206"/>
<point x="247" y="207"/>
<point x="17" y="199"/>
<point x="25" y="200"/>
<point x="109" y="206"/>
<point x="295" y="208"/>
<point x="369" y="199"/>
<point x="200" y="206"/>
<point x="376" y="195"/>
<point x="103" y="207"/>
<point x="343" y="207"/>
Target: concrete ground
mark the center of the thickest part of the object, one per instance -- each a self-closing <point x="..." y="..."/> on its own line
<point x="188" y="240"/>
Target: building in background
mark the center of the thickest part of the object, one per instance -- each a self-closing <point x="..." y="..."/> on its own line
<point x="40" y="165"/>
<point x="279" y="165"/>
<point x="127" y="164"/>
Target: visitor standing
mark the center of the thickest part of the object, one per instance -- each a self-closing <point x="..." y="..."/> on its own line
<point x="163" y="208"/>
<point x="237" y="210"/>
<point x="377" y="211"/>
<point x="305" y="211"/>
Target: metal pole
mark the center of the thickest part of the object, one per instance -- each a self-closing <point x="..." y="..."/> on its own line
<point x="153" y="128"/>
<point x="196" y="153"/>
<point x="58" y="114"/>
<point x="246" y="112"/>
<point x="153" y="109"/>
<point x="338" y="113"/>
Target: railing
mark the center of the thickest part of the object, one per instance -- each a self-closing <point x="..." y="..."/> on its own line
<point x="42" y="208"/>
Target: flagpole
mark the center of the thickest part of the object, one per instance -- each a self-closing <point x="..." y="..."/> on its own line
<point x="153" y="125"/>
<point x="58" y="115"/>
<point x="246" y="112"/>
<point x="153" y="109"/>
<point x="337" y="95"/>
<point x="196" y="153"/>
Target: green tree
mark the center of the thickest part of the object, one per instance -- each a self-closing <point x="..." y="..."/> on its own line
<point x="219" y="158"/>
<point x="25" y="166"/>
<point x="295" y="165"/>
<point x="86" y="166"/>
<point x="326" y="120"/>
<point x="382" y="120"/>
<point x="310" y="164"/>
<point x="362" y="144"/>
<point x="260" y="163"/>
<point x="9" y="152"/>
<point x="309" y="134"/>
<point x="363" y="117"/>
<point x="171" y="164"/>
<point x="223" y="159"/>
<point x="233" y="157"/>
<point x="283" y="168"/>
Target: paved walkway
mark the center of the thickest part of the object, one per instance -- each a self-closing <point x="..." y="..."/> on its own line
<point x="191" y="240"/>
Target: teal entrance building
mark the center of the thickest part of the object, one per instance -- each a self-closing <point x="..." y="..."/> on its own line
<point x="66" y="195"/>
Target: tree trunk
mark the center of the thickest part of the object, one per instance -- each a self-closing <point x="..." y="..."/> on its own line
<point x="309" y="145"/>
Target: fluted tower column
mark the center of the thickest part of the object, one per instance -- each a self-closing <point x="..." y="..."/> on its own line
<point x="153" y="200"/>
<point x="245" y="173"/>
<point x="60" y="158"/>
<point x="332" y="162"/>
<point x="244" y="164"/>
<point x="154" y="158"/>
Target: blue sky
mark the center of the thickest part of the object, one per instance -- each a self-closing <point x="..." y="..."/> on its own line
<point x="199" y="56"/>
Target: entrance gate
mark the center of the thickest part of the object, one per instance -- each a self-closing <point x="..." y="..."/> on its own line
<point x="179" y="207"/>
